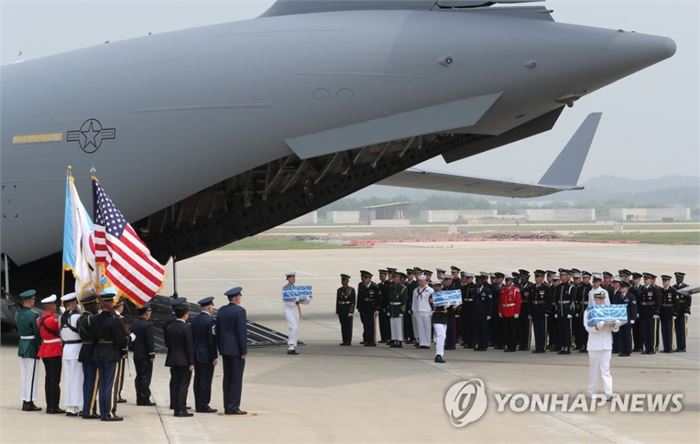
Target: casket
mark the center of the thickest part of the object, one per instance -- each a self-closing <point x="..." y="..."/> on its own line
<point x="447" y="298"/>
<point x="300" y="293"/>
<point x="607" y="314"/>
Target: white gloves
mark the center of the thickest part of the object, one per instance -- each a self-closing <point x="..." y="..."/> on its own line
<point x="687" y="315"/>
<point x="656" y="316"/>
<point x="632" y="322"/>
<point x="350" y="315"/>
<point x="568" y="316"/>
<point x="600" y="325"/>
<point x="133" y="337"/>
<point x="516" y="316"/>
<point x="674" y="318"/>
<point x="500" y="315"/>
<point x="488" y="318"/>
<point x="529" y="316"/>
<point x="617" y="324"/>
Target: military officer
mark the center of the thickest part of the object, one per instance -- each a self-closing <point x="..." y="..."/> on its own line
<point x="540" y="302"/>
<point x="668" y="312"/>
<point x="422" y="310"/>
<point x="111" y="339"/>
<point x="683" y="311"/>
<point x="385" y="282"/>
<point x="649" y="309"/>
<point x="87" y="355"/>
<point x="482" y="312"/>
<point x="70" y="336"/>
<point x="636" y="290"/>
<point x="411" y="284"/>
<point x="205" y="354"/>
<point x="552" y="320"/>
<point x="292" y="312"/>
<point x="564" y="301"/>
<point x="121" y="364"/>
<point x="51" y="352"/>
<point x="468" y="311"/>
<point x="175" y="302"/>
<point x="144" y="354"/>
<point x="29" y="342"/>
<point x="629" y="299"/>
<point x="582" y="289"/>
<point x="232" y="335"/>
<point x="525" y="319"/>
<point x="367" y="302"/>
<point x="180" y="358"/>
<point x="345" y="308"/>
<point x="397" y="307"/>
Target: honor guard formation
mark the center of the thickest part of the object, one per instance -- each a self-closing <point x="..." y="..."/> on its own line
<point x="90" y="339"/>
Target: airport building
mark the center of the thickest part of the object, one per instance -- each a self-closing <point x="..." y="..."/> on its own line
<point x="451" y="216"/>
<point x="650" y="214"/>
<point x="560" y="214"/>
<point x="343" y="217"/>
<point x="387" y="214"/>
<point x="307" y="219"/>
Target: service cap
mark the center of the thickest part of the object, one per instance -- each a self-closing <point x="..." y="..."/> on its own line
<point x="49" y="300"/>
<point x="235" y="291"/>
<point x="209" y="300"/>
<point x="27" y="294"/>
<point x="69" y="297"/>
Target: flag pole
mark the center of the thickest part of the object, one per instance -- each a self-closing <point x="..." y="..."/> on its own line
<point x="69" y="175"/>
<point x="98" y="278"/>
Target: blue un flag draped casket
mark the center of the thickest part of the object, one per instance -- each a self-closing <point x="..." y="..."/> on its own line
<point x="607" y="314"/>
<point x="447" y="298"/>
<point x="300" y="293"/>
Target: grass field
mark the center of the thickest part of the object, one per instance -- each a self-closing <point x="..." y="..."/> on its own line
<point x="266" y="243"/>
<point x="684" y="238"/>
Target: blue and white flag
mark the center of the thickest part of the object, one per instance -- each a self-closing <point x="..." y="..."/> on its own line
<point x="78" y="243"/>
<point x="607" y="313"/>
<point x="447" y="298"/>
<point x="298" y="293"/>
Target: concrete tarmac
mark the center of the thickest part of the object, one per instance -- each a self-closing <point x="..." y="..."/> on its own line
<point x="360" y="394"/>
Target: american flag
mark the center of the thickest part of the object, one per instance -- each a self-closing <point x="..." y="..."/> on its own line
<point x="127" y="262"/>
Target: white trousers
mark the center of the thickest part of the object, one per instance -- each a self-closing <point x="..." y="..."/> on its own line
<point x="292" y="315"/>
<point x="440" y="335"/>
<point x="72" y="384"/>
<point x="29" y="378"/>
<point x="396" y="325"/>
<point x="414" y="322"/>
<point x="599" y="367"/>
<point x="423" y="321"/>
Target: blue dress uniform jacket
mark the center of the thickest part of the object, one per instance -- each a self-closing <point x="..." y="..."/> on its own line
<point x="231" y="332"/>
<point x="204" y="332"/>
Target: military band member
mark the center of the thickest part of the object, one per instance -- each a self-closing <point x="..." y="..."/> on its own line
<point x="668" y="312"/>
<point x="87" y="355"/>
<point x="111" y="340"/>
<point x="629" y="299"/>
<point x="509" y="303"/>
<point x="144" y="354"/>
<point x="411" y="284"/>
<point x="468" y="311"/>
<point x="482" y="312"/>
<point x="51" y="351"/>
<point x="71" y="351"/>
<point x="180" y="358"/>
<point x="541" y="301"/>
<point x="422" y="309"/>
<point x="232" y="335"/>
<point x="367" y="302"/>
<point x="345" y="308"/>
<point x="29" y="342"/>
<point x="525" y="319"/>
<point x="683" y="311"/>
<point x="205" y="354"/>
<point x="292" y="312"/>
<point x="439" y="321"/>
<point x="564" y="302"/>
<point x="649" y="310"/>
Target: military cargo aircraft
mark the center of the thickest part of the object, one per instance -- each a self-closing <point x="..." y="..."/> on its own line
<point x="205" y="136"/>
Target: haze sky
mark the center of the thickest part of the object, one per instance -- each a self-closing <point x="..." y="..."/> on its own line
<point x="650" y="119"/>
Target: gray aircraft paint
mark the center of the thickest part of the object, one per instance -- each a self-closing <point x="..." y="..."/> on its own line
<point x="194" y="107"/>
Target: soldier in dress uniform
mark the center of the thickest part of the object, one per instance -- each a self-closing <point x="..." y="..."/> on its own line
<point x="668" y="313"/>
<point x="616" y="298"/>
<point x="525" y="319"/>
<point x="649" y="309"/>
<point x="497" y="335"/>
<point x="683" y="311"/>
<point x="607" y="282"/>
<point x="174" y="303"/>
<point x="451" y="334"/>
<point x="110" y="340"/>
<point x="439" y="321"/>
<point x="121" y="364"/>
<point x="540" y="303"/>
<point x="345" y="308"/>
<point x="422" y="310"/>
<point x="482" y="312"/>
<point x="205" y="354"/>
<point x="455" y="270"/>
<point x="549" y="277"/>
<point x="385" y="282"/>
<point x="636" y="290"/>
<point x="29" y="342"/>
<point x="468" y="311"/>
<point x="180" y="358"/>
<point x="509" y="304"/>
<point x="367" y="302"/>
<point x="411" y="284"/>
<point x="440" y="274"/>
<point x="71" y="351"/>
<point x="565" y="309"/>
<point x="582" y="297"/>
<point x="144" y="354"/>
<point x="629" y="299"/>
<point x="232" y="335"/>
<point x="553" y="321"/>
<point x="397" y="305"/>
<point x="292" y="313"/>
<point x="51" y="352"/>
<point x="87" y="355"/>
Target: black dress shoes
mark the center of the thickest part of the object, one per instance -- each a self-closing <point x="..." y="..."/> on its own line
<point x="121" y="400"/>
<point x="113" y="418"/>
<point x="147" y="404"/>
<point x="93" y="416"/>
<point x="29" y="406"/>
<point x="55" y="411"/>
<point x="439" y="359"/>
<point x="207" y="409"/>
<point x="237" y="412"/>
<point x="184" y="414"/>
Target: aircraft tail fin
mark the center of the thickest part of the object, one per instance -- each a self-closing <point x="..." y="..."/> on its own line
<point x="566" y="168"/>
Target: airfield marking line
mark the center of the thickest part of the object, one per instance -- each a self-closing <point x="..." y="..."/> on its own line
<point x="162" y="425"/>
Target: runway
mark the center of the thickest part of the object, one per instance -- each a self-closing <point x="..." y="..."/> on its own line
<point x="359" y="394"/>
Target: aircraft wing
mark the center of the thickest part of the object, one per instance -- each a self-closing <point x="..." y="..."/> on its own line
<point x="562" y="175"/>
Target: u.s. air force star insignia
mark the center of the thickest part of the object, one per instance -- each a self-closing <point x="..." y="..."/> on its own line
<point x="90" y="135"/>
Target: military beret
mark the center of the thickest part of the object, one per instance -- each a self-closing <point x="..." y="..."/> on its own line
<point x="679" y="274"/>
<point x="28" y="294"/>
<point x="540" y="272"/>
<point x="176" y="302"/>
<point x="607" y="274"/>
<point x="636" y="275"/>
<point x="498" y="274"/>
<point x="624" y="272"/>
<point x="209" y="300"/>
<point x="649" y="275"/>
<point x="290" y="274"/>
<point x="235" y="291"/>
<point x="665" y="277"/>
<point x="586" y="274"/>
<point x="365" y="273"/>
<point x="107" y="297"/>
<point x="455" y="268"/>
<point x="625" y="284"/>
<point x="49" y="300"/>
<point x="68" y="297"/>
